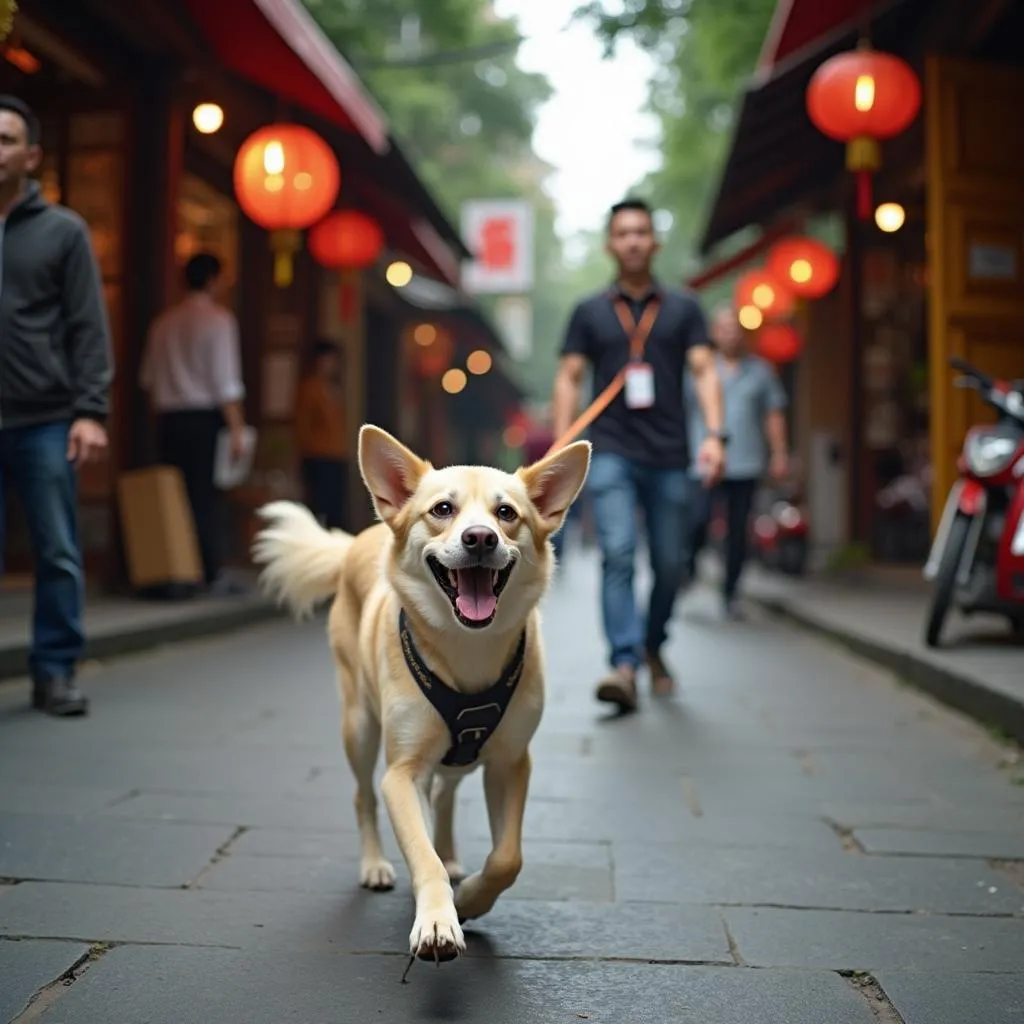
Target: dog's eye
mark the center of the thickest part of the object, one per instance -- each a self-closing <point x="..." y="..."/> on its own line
<point x="443" y="510"/>
<point x="506" y="513"/>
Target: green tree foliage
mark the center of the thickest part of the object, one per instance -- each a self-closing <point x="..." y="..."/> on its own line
<point x="446" y="74"/>
<point x="705" y="50"/>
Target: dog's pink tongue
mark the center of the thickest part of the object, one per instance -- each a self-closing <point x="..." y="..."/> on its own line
<point x="476" y="600"/>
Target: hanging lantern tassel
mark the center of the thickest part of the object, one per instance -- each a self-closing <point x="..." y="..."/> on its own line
<point x="863" y="158"/>
<point x="8" y="8"/>
<point x="284" y="244"/>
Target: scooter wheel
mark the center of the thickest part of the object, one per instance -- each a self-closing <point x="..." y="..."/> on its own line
<point x="945" y="579"/>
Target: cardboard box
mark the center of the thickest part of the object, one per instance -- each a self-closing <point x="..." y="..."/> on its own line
<point x="159" y="533"/>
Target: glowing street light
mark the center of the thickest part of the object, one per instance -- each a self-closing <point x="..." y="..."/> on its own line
<point x="398" y="274"/>
<point x="208" y="118"/>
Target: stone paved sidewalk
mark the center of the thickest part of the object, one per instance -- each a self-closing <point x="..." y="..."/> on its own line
<point x="879" y="614"/>
<point x="795" y="840"/>
<point x="118" y="625"/>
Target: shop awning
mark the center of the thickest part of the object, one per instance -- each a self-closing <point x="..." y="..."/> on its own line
<point x="729" y="264"/>
<point x="778" y="158"/>
<point x="276" y="44"/>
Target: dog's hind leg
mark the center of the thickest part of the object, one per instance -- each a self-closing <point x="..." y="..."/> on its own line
<point x="443" y="799"/>
<point x="361" y="733"/>
<point x="505" y="788"/>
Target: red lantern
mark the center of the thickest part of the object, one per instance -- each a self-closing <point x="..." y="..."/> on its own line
<point x="859" y="98"/>
<point x="286" y="178"/>
<point x="768" y="293"/>
<point x="346" y="240"/>
<point x="809" y="268"/>
<point x="779" y="343"/>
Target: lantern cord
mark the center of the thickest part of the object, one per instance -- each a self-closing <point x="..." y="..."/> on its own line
<point x="863" y="195"/>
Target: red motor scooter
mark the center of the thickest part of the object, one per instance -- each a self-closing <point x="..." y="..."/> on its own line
<point x="977" y="558"/>
<point x="779" y="532"/>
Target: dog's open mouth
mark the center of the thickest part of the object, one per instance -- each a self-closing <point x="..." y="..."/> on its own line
<point x="473" y="591"/>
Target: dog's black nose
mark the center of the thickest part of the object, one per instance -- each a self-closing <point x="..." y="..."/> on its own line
<point x="479" y="539"/>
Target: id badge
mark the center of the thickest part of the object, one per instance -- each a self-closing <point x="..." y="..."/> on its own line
<point x="639" y="387"/>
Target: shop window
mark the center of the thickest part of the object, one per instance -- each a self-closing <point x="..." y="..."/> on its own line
<point x="208" y="222"/>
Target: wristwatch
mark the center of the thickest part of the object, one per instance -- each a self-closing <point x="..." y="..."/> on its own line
<point x="721" y="435"/>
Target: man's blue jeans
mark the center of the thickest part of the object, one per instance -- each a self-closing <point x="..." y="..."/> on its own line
<point x="618" y="488"/>
<point x="34" y="464"/>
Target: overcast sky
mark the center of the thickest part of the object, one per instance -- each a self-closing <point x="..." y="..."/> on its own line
<point x="593" y="127"/>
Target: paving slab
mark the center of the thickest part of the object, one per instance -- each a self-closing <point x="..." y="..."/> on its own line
<point x="917" y="842"/>
<point x="355" y="921"/>
<point x="28" y="965"/>
<point x="31" y="798"/>
<point x="159" y="986"/>
<point x="882" y="618"/>
<point x="930" y="998"/>
<point x="930" y="816"/>
<point x="240" y="810"/>
<point x="796" y="878"/>
<point x="833" y="940"/>
<point x="551" y="871"/>
<point x="41" y="847"/>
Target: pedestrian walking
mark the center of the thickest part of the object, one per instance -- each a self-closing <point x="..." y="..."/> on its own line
<point x="644" y="334"/>
<point x="321" y="435"/>
<point x="755" y="420"/>
<point x="55" y="374"/>
<point x="192" y="371"/>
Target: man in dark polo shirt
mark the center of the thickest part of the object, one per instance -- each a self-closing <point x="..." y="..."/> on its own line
<point x="652" y="335"/>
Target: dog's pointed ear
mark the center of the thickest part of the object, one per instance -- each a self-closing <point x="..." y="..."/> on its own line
<point x="555" y="481"/>
<point x="390" y="471"/>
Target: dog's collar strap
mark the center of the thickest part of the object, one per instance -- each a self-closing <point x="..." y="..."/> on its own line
<point x="471" y="717"/>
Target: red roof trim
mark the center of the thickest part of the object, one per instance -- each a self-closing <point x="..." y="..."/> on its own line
<point x="277" y="45"/>
<point x="440" y="254"/>
<point x="796" y="23"/>
<point x="737" y="260"/>
<point x="297" y="28"/>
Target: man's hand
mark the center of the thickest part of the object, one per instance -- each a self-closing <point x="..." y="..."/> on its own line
<point x="87" y="442"/>
<point x="711" y="460"/>
<point x="236" y="444"/>
<point x="779" y="467"/>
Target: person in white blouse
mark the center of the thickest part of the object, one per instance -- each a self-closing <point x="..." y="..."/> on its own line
<point x="192" y="371"/>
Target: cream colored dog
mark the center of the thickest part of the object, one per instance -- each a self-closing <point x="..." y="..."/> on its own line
<point x="436" y="637"/>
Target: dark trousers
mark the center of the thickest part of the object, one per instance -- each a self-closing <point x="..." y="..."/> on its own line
<point x="34" y="463"/>
<point x="736" y="497"/>
<point x="326" y="482"/>
<point x="188" y="440"/>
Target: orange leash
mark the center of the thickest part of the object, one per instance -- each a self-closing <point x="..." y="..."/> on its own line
<point x="638" y="334"/>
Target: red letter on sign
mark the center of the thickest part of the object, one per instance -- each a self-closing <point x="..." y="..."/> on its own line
<point x="499" y="246"/>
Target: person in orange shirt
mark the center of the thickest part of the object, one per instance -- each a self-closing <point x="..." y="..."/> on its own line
<point x="322" y="435"/>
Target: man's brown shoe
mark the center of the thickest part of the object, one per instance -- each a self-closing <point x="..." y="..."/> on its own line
<point x="619" y="688"/>
<point x="662" y="683"/>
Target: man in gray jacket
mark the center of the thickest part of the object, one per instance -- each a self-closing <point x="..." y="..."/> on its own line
<point x="55" y="373"/>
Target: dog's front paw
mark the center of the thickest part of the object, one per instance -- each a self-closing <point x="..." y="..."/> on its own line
<point x="377" y="875"/>
<point x="473" y="898"/>
<point x="436" y="935"/>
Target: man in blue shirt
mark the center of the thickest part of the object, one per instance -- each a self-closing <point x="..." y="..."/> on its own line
<point x="651" y="334"/>
<point x="755" y="421"/>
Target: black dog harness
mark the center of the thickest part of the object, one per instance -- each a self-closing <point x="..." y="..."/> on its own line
<point x="471" y="717"/>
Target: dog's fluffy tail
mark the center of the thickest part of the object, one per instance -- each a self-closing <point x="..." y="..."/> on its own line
<point x="301" y="560"/>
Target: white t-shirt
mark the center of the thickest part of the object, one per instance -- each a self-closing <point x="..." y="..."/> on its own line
<point x="192" y="358"/>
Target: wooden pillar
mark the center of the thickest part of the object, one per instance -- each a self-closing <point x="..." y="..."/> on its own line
<point x="157" y="143"/>
<point x="153" y="166"/>
<point x="855" y="256"/>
